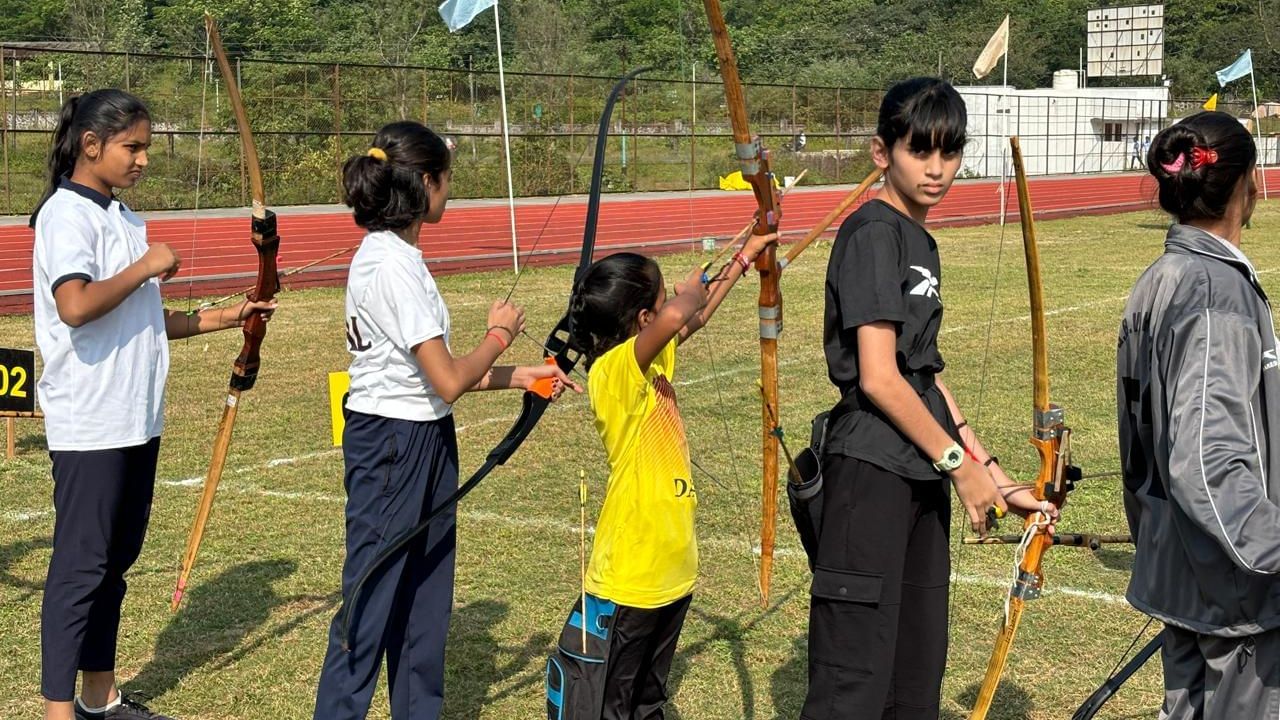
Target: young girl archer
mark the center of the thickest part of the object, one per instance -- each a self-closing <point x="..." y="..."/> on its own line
<point x="399" y="444"/>
<point x="878" y="613"/>
<point x="1198" y="403"/>
<point x="644" y="560"/>
<point x="102" y="333"/>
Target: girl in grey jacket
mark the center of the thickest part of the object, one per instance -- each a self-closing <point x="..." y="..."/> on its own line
<point x="1197" y="397"/>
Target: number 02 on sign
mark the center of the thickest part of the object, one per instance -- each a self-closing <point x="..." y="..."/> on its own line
<point x="17" y="382"/>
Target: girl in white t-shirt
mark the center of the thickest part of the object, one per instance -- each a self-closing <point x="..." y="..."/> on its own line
<point x="102" y="333"/>
<point x="399" y="443"/>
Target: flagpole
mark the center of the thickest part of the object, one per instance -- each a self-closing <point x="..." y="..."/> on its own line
<point x="1004" y="164"/>
<point x="1262" y="139"/>
<point x="506" y="144"/>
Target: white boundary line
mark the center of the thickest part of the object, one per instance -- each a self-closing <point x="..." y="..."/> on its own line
<point x="550" y="525"/>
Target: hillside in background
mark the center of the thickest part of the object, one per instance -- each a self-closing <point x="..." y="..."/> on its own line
<point x="850" y="43"/>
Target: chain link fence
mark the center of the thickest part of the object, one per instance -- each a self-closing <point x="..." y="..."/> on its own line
<point x="309" y="117"/>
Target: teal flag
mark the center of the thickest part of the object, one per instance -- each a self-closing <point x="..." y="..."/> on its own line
<point x="1242" y="67"/>
<point x="457" y="13"/>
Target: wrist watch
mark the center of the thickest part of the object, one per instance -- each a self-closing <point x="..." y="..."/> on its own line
<point x="950" y="460"/>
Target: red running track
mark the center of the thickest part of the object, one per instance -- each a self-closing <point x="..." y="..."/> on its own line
<point x="218" y="257"/>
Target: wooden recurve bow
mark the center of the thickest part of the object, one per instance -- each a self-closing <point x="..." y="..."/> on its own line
<point x="1051" y="439"/>
<point x="244" y="372"/>
<point x="755" y="170"/>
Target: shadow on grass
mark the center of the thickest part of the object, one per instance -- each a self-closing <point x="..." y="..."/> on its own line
<point x="1113" y="559"/>
<point x="1011" y="702"/>
<point x="13" y="553"/>
<point x="34" y="442"/>
<point x="790" y="684"/>
<point x="216" y="618"/>
<point x="731" y="632"/>
<point x="474" y="673"/>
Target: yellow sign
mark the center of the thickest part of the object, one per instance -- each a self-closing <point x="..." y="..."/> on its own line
<point x="1211" y="103"/>
<point x="339" y="383"/>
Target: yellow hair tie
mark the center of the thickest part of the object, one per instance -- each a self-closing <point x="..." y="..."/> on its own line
<point x="378" y="154"/>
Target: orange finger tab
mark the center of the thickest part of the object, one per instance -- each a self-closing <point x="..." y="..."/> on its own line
<point x="544" y="387"/>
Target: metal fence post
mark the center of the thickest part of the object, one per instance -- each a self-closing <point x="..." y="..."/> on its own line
<point x="4" y="136"/>
<point x="693" y="126"/>
<point x="573" y="170"/>
<point x="839" y="141"/>
<point x="337" y="124"/>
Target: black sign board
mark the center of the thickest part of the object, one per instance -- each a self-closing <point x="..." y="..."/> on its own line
<point x="17" y="381"/>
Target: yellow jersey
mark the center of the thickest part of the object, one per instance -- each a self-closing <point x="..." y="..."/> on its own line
<point x="645" y="553"/>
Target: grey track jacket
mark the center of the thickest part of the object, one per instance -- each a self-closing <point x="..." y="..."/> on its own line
<point x="1198" y="401"/>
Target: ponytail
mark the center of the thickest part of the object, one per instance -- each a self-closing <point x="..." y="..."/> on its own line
<point x="104" y="113"/>
<point x="1198" y="164"/>
<point x="383" y="187"/>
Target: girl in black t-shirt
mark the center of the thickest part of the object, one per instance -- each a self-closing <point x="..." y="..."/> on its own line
<point x="878" y="617"/>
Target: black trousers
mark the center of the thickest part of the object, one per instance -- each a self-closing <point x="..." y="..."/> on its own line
<point x="397" y="471"/>
<point x="622" y="672"/>
<point x="878" y="613"/>
<point x="103" y="503"/>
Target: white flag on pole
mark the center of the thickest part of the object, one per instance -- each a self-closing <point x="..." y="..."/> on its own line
<point x="996" y="47"/>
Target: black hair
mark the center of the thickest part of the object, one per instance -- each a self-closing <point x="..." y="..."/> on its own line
<point x="1189" y="193"/>
<point x="105" y="113"/>
<point x="928" y="112"/>
<point x="389" y="194"/>
<point x="611" y="293"/>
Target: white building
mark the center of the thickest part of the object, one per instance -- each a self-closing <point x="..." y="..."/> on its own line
<point x="1064" y="129"/>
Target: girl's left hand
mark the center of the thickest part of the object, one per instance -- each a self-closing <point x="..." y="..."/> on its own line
<point x="559" y="381"/>
<point x="248" y="308"/>
<point x="1024" y="503"/>
<point x="757" y="243"/>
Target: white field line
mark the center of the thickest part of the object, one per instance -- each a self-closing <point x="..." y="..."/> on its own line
<point x="19" y="516"/>
<point x="566" y="528"/>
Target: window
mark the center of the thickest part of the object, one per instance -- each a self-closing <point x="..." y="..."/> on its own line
<point x="1111" y="132"/>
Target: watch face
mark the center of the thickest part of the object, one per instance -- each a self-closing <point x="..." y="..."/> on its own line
<point x="951" y="459"/>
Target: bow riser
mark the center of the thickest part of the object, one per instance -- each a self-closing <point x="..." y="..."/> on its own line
<point x="265" y="240"/>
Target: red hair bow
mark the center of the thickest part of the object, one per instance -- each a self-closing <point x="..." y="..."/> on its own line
<point x="1202" y="156"/>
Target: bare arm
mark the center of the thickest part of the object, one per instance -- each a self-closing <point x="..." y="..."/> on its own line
<point x="1017" y="495"/>
<point x="178" y="324"/>
<point x="657" y="328"/>
<point x="451" y="376"/>
<point x="723" y="282"/>
<point x="883" y="384"/>
<point x="82" y="301"/>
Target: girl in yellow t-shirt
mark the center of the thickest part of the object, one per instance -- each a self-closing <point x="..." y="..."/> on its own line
<point x="645" y="557"/>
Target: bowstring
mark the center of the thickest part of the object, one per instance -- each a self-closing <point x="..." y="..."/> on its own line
<point x="1003" y="191"/>
<point x="206" y="71"/>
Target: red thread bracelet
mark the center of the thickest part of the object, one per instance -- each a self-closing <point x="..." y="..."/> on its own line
<point x="501" y="343"/>
<point x="742" y="260"/>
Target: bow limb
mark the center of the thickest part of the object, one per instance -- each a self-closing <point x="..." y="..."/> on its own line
<point x="1052" y="441"/>
<point x="244" y="373"/>
<point x="557" y="349"/>
<point x="755" y="169"/>
<point x="1094" y="702"/>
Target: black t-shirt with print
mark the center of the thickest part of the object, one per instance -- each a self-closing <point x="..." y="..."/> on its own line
<point x="884" y="267"/>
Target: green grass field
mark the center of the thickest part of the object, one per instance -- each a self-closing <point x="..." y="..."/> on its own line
<point x="248" y="643"/>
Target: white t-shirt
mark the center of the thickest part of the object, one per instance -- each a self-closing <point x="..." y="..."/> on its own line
<point x="103" y="382"/>
<point x="393" y="305"/>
